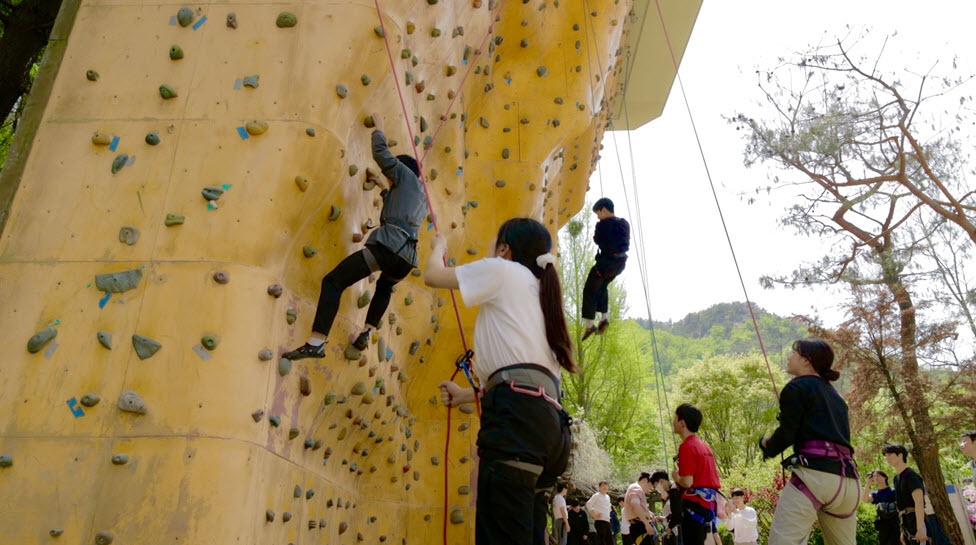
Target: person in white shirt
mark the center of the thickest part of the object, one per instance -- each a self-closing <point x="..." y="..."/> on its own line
<point x="742" y="520"/>
<point x="636" y="514"/>
<point x="599" y="507"/>
<point x="522" y="344"/>
<point x="560" y="515"/>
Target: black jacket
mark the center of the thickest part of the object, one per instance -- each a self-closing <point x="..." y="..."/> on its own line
<point x="612" y="236"/>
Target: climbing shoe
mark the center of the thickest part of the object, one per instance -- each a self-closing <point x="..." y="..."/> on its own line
<point x="604" y="324"/>
<point x="589" y="331"/>
<point x="362" y="341"/>
<point x="305" y="351"/>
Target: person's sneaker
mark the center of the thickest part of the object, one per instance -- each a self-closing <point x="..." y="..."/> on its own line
<point x="305" y="351"/>
<point x="362" y="341"/>
<point x="604" y="324"/>
<point x="589" y="331"/>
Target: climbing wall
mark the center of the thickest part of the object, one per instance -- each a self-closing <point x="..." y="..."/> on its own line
<point x="195" y="173"/>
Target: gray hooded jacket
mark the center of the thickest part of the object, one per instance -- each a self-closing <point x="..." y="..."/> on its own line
<point x="403" y="209"/>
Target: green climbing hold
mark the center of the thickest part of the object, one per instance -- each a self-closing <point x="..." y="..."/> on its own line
<point x="352" y="353"/>
<point x="309" y="251"/>
<point x="174" y="219"/>
<point x="284" y="366"/>
<point x="120" y="459"/>
<point x="329" y="398"/>
<point x="368" y="122"/>
<point x="291" y="315"/>
<point x="286" y="19"/>
<point x="145" y="347"/>
<point x="335" y="213"/>
<point x="464" y="490"/>
<point x="483" y="122"/>
<point x="175" y="52"/>
<point x="119" y="162"/>
<point x="558" y="100"/>
<point x="40" y="339"/>
<point x="342" y="90"/>
<point x="166" y="91"/>
<point x="405" y="54"/>
<point x="359" y="388"/>
<point x="499" y="183"/>
<point x="185" y="16"/>
<point x="293" y="433"/>
<point x="364" y="299"/>
<point x="91" y="75"/>
<point x="435" y="32"/>
<point x="408" y="300"/>
<point x="524" y="42"/>
<point x="209" y="342"/>
<point x="457" y="516"/>
<point x="353" y="169"/>
<point x="379" y="31"/>
<point x="365" y="79"/>
<point x="541" y="71"/>
<point x="212" y="193"/>
<point x="118" y="282"/>
<point x="101" y="139"/>
<point x="505" y="153"/>
<point x="152" y="138"/>
<point x="104" y="339"/>
<point x="90" y="400"/>
<point x="256" y="127"/>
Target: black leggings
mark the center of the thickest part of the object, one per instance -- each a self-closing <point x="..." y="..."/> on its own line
<point x="351" y="270"/>
<point x="596" y="296"/>
<point x="512" y="503"/>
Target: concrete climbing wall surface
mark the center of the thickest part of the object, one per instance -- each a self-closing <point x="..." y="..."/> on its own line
<point x="196" y="172"/>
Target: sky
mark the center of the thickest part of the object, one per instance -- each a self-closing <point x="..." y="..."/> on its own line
<point x="692" y="267"/>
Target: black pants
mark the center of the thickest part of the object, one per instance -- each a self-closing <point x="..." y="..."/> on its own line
<point x="351" y="270"/>
<point x="603" y="534"/>
<point x="638" y="535"/>
<point x="596" y="297"/>
<point x="529" y="430"/>
<point x="888" y="532"/>
<point x="693" y="533"/>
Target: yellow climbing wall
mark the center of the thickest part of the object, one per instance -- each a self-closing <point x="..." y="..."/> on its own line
<point x="228" y="443"/>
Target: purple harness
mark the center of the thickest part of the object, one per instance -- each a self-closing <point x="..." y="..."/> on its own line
<point x="833" y="451"/>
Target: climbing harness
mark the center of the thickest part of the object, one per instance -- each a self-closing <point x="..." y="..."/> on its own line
<point x="832" y="451"/>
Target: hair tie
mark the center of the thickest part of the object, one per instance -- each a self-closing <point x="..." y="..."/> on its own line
<point x="546" y="259"/>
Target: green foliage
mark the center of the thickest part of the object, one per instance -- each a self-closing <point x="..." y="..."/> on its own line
<point x="866" y="534"/>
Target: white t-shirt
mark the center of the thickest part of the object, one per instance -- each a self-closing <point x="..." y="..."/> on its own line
<point x="744" y="524"/>
<point x="635" y="502"/>
<point x="559" y="510"/>
<point x="600" y="504"/>
<point x="509" y="328"/>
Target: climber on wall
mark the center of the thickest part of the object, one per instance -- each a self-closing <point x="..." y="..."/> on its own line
<point x="612" y="236"/>
<point x="391" y="249"/>
<point x="522" y="343"/>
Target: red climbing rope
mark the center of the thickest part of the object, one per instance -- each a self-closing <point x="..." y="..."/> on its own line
<point x="725" y="227"/>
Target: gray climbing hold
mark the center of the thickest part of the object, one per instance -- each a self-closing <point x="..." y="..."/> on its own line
<point x="274" y="420"/>
<point x="104" y="339"/>
<point x="284" y="366"/>
<point x="119" y="162"/>
<point x="175" y="52"/>
<point x="541" y="71"/>
<point x="256" y="127"/>
<point x="466" y="408"/>
<point x="90" y="400"/>
<point x="265" y="354"/>
<point x="91" y="75"/>
<point x="251" y="81"/>
<point x="145" y="347"/>
<point x="309" y="493"/>
<point x="130" y="402"/>
<point x="291" y="315"/>
<point x="302" y="182"/>
<point x="209" y="342"/>
<point x="40" y="339"/>
<point x="105" y="538"/>
<point x="335" y="212"/>
<point x="55" y="532"/>
<point x="286" y="19"/>
<point x="558" y="100"/>
<point x="463" y="426"/>
<point x="221" y="277"/>
<point x="6" y="460"/>
<point x="275" y="290"/>
<point x="342" y="90"/>
<point x="152" y="138"/>
<point x="309" y="251"/>
<point x="269" y="515"/>
<point x="309" y="443"/>
<point x="464" y="490"/>
<point x="457" y="516"/>
<point x="298" y="491"/>
<point x="120" y="459"/>
<point x="500" y="183"/>
<point x="118" y="282"/>
<point x="286" y="516"/>
<point x="310" y="131"/>
<point x="167" y="92"/>
<point x="211" y="193"/>
<point x="258" y="415"/>
<point x="185" y="16"/>
<point x="232" y="20"/>
<point x="101" y="139"/>
<point x="365" y="79"/>
<point x="505" y="153"/>
<point x="174" y="219"/>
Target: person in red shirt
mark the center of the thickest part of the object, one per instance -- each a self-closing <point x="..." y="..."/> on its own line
<point x="697" y="474"/>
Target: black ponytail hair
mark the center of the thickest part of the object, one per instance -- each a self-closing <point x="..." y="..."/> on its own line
<point x="528" y="239"/>
<point x="820" y="356"/>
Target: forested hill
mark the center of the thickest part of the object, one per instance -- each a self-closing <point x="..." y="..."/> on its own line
<point x="722" y="329"/>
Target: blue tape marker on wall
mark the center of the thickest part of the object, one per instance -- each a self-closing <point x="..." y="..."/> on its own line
<point x="172" y="19"/>
<point x="103" y="300"/>
<point x="200" y="22"/>
<point x="114" y="144"/>
<point x="75" y="408"/>
<point x="243" y="132"/>
<point x="237" y="83"/>
<point x="225" y="187"/>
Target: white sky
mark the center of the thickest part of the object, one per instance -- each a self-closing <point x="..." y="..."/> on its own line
<point x="693" y="268"/>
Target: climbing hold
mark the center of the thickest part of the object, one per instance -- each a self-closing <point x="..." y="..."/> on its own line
<point x="221" y="277"/>
<point x="145" y="347"/>
<point x="352" y="353"/>
<point x="265" y="354"/>
<point x="232" y="20"/>
<point x="91" y="75"/>
<point x="411" y="27"/>
<point x="359" y="388"/>
<point x="342" y="90"/>
<point x="364" y="299"/>
<point x="457" y="516"/>
<point x="284" y="366"/>
<point x="174" y="219"/>
<point x="309" y="493"/>
<point x="558" y="100"/>
<point x="286" y="516"/>
<point x="464" y="490"/>
<point x="309" y="251"/>
<point x="329" y="398"/>
<point x="167" y="92"/>
<point x="379" y="31"/>
<point x="498" y="183"/>
<point x="301" y="182"/>
<point x="55" y="532"/>
<point x="40" y="339"/>
<point x="119" y="162"/>
<point x="130" y="402"/>
<point x="274" y="420"/>
<point x="293" y="433"/>
<point x="524" y="42"/>
<point x="483" y="122"/>
<point x="463" y="426"/>
<point x="120" y="459"/>
<point x="118" y="282"/>
<point x="420" y="86"/>
<point x="353" y="169"/>
<point x="435" y="32"/>
<point x="251" y="81"/>
<point x="505" y="153"/>
<point x="472" y="251"/>
<point x="101" y="139"/>
<point x="90" y="400"/>
<point x="286" y="19"/>
<point x="256" y="127"/>
<point x="310" y="131"/>
<point x="152" y="138"/>
<point x="6" y="460"/>
<point x="106" y="538"/>
<point x="450" y="70"/>
<point x="335" y="213"/>
<point x="269" y="515"/>
<point x="209" y="342"/>
<point x="104" y="339"/>
<point x="304" y="386"/>
<point x="541" y="71"/>
<point x="365" y="79"/>
<point x="184" y="16"/>
<point x="291" y="315"/>
<point x="175" y="52"/>
<point x="258" y="415"/>
<point x="298" y="491"/>
<point x="275" y="290"/>
<point x="211" y="193"/>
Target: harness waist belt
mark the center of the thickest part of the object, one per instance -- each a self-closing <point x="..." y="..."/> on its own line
<point x="526" y="375"/>
<point x="907" y="511"/>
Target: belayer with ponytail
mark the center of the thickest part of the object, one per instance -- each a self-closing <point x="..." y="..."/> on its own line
<point x="813" y="420"/>
<point x="522" y="344"/>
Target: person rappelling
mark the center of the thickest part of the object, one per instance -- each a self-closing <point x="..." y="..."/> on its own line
<point x="391" y="249"/>
<point x="612" y="236"/>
